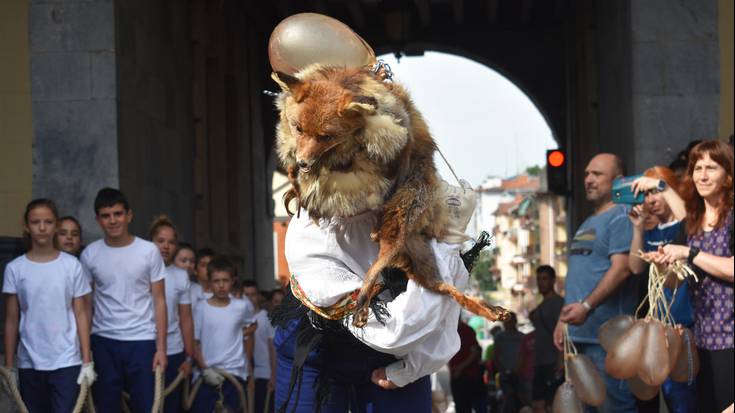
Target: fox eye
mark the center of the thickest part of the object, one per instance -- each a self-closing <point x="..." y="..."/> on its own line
<point x="298" y="128"/>
<point x="324" y="138"/>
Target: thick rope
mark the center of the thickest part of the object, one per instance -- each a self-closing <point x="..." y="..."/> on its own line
<point x="14" y="393"/>
<point x="240" y="391"/>
<point x="84" y="398"/>
<point x="158" y="394"/>
<point x="190" y="396"/>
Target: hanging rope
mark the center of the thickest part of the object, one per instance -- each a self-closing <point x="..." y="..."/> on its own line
<point x="84" y="397"/>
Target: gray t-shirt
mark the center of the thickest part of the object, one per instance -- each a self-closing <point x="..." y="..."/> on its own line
<point x="507" y="349"/>
<point x="599" y="237"/>
<point x="544" y="319"/>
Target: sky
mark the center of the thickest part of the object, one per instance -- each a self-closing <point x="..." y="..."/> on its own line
<point x="483" y="123"/>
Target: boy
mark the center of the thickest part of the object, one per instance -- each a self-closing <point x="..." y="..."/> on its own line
<point x="129" y="323"/>
<point x="264" y="353"/>
<point x="218" y="330"/>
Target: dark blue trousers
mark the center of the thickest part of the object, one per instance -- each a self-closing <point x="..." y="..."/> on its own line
<point x="207" y="397"/>
<point x="352" y="390"/>
<point x="261" y="393"/>
<point x="54" y="391"/>
<point x="123" y="365"/>
<point x="172" y="403"/>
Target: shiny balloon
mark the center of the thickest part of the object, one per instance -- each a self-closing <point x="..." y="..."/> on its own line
<point x="613" y="329"/>
<point x="588" y="383"/>
<point x="641" y="390"/>
<point x="624" y="356"/>
<point x="566" y="400"/>
<point x="654" y="363"/>
<point x="307" y="38"/>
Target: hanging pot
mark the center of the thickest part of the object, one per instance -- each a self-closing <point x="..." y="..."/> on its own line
<point x="307" y="38"/>
<point x="641" y="390"/>
<point x="566" y="400"/>
<point x="624" y="356"/>
<point x="588" y="383"/>
<point x="612" y="329"/>
<point x="654" y="363"/>
<point x="687" y="364"/>
<point x="674" y="339"/>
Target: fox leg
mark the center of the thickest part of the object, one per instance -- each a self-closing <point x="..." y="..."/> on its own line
<point x="362" y="311"/>
<point x="474" y="305"/>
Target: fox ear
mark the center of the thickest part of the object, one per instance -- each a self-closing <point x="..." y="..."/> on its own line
<point x="286" y="82"/>
<point x="361" y="104"/>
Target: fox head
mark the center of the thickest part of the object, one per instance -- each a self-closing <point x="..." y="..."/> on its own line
<point x="339" y="131"/>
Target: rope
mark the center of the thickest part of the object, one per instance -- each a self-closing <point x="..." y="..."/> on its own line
<point x="240" y="391"/>
<point x="158" y="395"/>
<point x="450" y="167"/>
<point x="12" y="389"/>
<point x="190" y="396"/>
<point x="82" y="398"/>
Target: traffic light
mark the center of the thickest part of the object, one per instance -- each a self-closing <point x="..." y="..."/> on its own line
<point x="556" y="171"/>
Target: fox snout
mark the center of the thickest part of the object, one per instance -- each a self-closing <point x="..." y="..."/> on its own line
<point x="304" y="165"/>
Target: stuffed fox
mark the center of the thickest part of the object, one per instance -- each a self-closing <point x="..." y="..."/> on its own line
<point x="350" y="143"/>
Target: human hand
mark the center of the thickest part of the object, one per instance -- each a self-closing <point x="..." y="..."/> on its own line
<point x="559" y="336"/>
<point x="160" y="360"/>
<point x="644" y="184"/>
<point x="212" y="378"/>
<point x="87" y="373"/>
<point x="574" y="314"/>
<point x="381" y="379"/>
<point x="676" y="252"/>
<point x="272" y="384"/>
<point x="637" y="216"/>
<point x="185" y="368"/>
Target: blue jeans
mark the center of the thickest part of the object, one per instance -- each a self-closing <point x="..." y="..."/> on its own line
<point x="49" y="391"/>
<point x="619" y="398"/>
<point x="353" y="388"/>
<point x="123" y="365"/>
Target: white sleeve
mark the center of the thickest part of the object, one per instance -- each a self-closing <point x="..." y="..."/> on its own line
<point x="157" y="267"/>
<point x="9" y="286"/>
<point x="198" y="318"/>
<point x="185" y="293"/>
<point x="422" y="326"/>
<point x="80" y="285"/>
<point x="84" y="260"/>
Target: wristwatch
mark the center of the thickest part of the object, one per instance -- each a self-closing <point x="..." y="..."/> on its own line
<point x="661" y="185"/>
<point x="693" y="251"/>
<point x="586" y="305"/>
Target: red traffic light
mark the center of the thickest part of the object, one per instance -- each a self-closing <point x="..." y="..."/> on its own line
<point x="556" y="158"/>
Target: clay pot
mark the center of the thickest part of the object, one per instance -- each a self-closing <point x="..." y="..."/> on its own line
<point x="641" y="390"/>
<point x="587" y="382"/>
<point x="612" y="329"/>
<point x="307" y="38"/>
<point x="654" y="362"/>
<point x="566" y="400"/>
<point x="686" y="367"/>
<point x="674" y="338"/>
<point x="624" y="357"/>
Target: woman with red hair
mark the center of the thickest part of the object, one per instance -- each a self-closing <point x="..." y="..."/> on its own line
<point x="708" y="193"/>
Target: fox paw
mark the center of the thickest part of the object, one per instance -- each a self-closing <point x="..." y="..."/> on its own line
<point x="494" y="313"/>
<point x="361" y="317"/>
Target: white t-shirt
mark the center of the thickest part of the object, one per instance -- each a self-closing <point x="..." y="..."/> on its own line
<point x="177" y="292"/>
<point x="219" y="332"/>
<point x="261" y="354"/>
<point x="329" y="258"/>
<point x="48" y="328"/>
<point x="198" y="296"/>
<point x="122" y="278"/>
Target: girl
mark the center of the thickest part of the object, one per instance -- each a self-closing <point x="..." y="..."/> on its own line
<point x="709" y="251"/>
<point x="679" y="397"/>
<point x="185" y="258"/>
<point x="45" y="317"/>
<point x="180" y="340"/>
<point x="69" y="236"/>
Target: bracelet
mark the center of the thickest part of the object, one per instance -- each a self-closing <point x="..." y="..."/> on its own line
<point x="693" y="252"/>
<point x="586" y="305"/>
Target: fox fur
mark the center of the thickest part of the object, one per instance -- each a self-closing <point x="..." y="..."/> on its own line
<point x="350" y="143"/>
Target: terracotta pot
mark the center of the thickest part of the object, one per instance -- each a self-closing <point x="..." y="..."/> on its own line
<point x="566" y="400"/>
<point x="624" y="357"/>
<point x="641" y="390"/>
<point x="588" y="383"/>
<point x="687" y="364"/>
<point x="612" y="329"/>
<point x="654" y="363"/>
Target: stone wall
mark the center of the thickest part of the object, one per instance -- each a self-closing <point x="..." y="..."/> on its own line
<point x="72" y="51"/>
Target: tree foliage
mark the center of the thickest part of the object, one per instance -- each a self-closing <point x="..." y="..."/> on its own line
<point x="481" y="271"/>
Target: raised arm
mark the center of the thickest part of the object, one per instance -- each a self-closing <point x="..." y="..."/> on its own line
<point x="637" y="217"/>
<point x="644" y="184"/>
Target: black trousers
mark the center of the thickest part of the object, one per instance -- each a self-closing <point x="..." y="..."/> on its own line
<point x="715" y="380"/>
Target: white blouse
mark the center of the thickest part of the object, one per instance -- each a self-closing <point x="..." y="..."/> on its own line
<point x="329" y="258"/>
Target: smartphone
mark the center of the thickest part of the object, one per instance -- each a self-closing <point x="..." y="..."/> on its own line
<point x="622" y="191"/>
